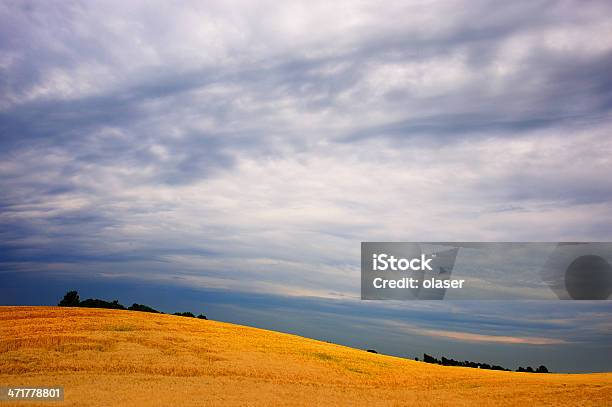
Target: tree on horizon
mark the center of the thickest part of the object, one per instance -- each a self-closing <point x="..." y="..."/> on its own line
<point x="71" y="299"/>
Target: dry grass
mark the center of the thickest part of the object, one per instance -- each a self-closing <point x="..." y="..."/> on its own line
<point x="110" y="357"/>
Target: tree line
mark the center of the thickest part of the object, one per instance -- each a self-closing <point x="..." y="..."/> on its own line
<point x="71" y="299"/>
<point x="452" y="362"/>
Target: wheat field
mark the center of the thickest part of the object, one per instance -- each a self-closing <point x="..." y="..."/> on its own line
<point x="126" y="358"/>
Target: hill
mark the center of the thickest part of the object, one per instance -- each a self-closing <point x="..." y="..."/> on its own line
<point x="115" y="357"/>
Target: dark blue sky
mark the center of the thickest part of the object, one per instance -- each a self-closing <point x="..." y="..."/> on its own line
<point x="241" y="152"/>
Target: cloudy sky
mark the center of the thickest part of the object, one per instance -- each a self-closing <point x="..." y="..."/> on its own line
<point x="250" y="147"/>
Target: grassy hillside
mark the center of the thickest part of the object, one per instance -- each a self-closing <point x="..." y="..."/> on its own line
<point x="111" y="357"/>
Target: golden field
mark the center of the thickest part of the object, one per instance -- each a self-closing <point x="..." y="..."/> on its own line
<point x="115" y="358"/>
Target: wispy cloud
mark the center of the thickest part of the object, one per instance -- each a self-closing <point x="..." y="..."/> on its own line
<point x="471" y="337"/>
<point x="478" y="331"/>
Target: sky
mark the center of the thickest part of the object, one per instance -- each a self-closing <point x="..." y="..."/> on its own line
<point x="245" y="150"/>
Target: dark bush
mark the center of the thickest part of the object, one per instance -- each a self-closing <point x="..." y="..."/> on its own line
<point x="95" y="303"/>
<point x="542" y="369"/>
<point x="142" y="308"/>
<point x="184" y="314"/>
<point x="71" y="299"/>
<point x="430" y="359"/>
<point x="452" y="362"/>
<point x="371" y="351"/>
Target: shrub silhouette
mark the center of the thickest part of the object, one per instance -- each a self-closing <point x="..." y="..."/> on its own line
<point x="452" y="362"/>
<point x="142" y="308"/>
<point x="71" y="299"/>
<point x="184" y="314"/>
<point x="430" y="359"/>
<point x="96" y="303"/>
